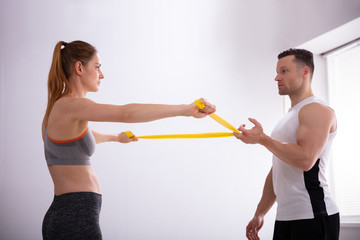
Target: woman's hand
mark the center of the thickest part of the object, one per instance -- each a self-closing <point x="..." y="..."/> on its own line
<point x="196" y="112"/>
<point x="123" y="138"/>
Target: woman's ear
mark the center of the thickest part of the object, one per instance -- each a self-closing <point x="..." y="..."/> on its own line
<point x="79" y="68"/>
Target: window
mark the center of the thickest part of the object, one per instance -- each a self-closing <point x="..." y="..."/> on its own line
<point x="343" y="69"/>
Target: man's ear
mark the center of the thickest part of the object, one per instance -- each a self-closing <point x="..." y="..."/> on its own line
<point x="306" y="70"/>
<point x="79" y="67"/>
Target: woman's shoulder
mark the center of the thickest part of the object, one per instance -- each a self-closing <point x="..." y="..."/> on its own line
<point x="70" y="103"/>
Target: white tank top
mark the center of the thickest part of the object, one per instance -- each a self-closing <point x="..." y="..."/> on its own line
<point x="300" y="194"/>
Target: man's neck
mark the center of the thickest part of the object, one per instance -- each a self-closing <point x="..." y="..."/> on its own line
<point x="295" y="99"/>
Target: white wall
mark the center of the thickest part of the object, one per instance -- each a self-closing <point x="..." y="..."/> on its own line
<point x="152" y="52"/>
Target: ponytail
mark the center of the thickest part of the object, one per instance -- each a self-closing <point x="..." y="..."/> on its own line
<point x="58" y="83"/>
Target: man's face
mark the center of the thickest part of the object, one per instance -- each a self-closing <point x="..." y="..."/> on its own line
<point x="288" y="76"/>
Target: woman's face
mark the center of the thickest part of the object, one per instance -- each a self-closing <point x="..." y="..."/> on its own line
<point x="92" y="74"/>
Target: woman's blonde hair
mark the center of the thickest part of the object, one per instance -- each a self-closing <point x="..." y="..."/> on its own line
<point x="64" y="58"/>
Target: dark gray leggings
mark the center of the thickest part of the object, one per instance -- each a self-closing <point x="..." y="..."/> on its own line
<point x="73" y="216"/>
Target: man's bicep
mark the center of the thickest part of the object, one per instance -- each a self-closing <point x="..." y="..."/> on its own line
<point x="313" y="131"/>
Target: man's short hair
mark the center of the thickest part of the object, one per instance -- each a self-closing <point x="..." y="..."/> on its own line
<point x="302" y="58"/>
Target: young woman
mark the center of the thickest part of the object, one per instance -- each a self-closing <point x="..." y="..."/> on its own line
<point x="69" y="143"/>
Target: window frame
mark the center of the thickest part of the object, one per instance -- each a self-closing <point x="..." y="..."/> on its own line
<point x="346" y="220"/>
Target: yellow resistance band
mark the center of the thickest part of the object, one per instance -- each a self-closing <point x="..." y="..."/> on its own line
<point x="196" y="135"/>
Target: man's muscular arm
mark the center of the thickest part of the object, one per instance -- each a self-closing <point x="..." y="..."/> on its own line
<point x="316" y="122"/>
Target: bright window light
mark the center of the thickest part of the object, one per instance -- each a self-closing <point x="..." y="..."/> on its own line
<point x="344" y="84"/>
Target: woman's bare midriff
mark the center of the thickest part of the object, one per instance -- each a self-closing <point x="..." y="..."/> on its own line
<point x="74" y="178"/>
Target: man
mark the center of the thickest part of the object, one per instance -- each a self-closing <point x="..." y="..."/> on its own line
<point x="300" y="144"/>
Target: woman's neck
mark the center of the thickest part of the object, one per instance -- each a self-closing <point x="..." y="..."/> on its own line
<point x="77" y="90"/>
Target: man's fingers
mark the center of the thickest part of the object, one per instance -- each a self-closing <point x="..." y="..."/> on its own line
<point x="256" y="123"/>
<point x="251" y="235"/>
<point x="242" y="127"/>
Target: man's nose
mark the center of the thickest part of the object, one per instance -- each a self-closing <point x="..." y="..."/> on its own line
<point x="277" y="77"/>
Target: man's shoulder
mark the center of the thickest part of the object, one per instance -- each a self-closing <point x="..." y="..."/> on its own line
<point x="317" y="106"/>
<point x="316" y="112"/>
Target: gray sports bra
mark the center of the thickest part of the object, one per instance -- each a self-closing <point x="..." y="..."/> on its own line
<point x="70" y="152"/>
